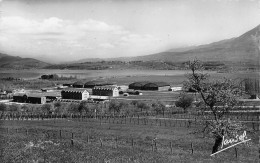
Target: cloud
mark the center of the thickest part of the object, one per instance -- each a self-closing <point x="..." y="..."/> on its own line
<point x="107" y="45"/>
<point x="137" y="40"/>
<point x="93" y="25"/>
<point x="55" y="25"/>
<point x="62" y="37"/>
<point x="56" y="28"/>
<point x="19" y="25"/>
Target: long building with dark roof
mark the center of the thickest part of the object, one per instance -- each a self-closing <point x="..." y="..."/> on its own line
<point x="157" y="86"/>
<point x="36" y="99"/>
<point x="76" y="94"/>
<point x="33" y="98"/>
<point x="92" y="84"/>
<point x="137" y="85"/>
<point x="78" y="84"/>
<point x="105" y="91"/>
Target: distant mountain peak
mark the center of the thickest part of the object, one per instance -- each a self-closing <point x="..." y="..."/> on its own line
<point x="250" y="34"/>
<point x="241" y="48"/>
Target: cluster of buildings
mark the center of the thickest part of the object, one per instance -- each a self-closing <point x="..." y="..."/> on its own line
<point x="5" y="94"/>
<point x="92" y="91"/>
<point x="69" y="93"/>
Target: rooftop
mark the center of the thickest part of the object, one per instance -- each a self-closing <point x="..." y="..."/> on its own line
<point x="81" y="90"/>
<point x="108" y="87"/>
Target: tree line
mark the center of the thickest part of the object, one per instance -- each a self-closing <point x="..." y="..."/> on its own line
<point x="113" y="107"/>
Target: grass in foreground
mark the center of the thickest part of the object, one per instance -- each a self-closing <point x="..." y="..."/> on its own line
<point x="111" y="143"/>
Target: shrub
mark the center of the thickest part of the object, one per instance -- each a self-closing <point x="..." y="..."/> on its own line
<point x="184" y="101"/>
<point x="47" y="108"/>
<point x="159" y="107"/>
<point x="3" y="107"/>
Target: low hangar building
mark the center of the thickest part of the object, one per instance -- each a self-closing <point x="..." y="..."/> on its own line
<point x="36" y="99"/>
<point x="157" y="86"/>
<point x="29" y="98"/>
<point x="92" y="84"/>
<point x="151" y="86"/>
<point x="137" y="85"/>
<point x="78" y="84"/>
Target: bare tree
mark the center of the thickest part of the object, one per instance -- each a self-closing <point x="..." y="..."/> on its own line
<point x="218" y="98"/>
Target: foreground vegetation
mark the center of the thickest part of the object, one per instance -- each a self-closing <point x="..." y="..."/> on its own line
<point x="52" y="141"/>
<point x="118" y="131"/>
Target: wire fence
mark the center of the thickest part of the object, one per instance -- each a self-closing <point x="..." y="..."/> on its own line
<point x="184" y="120"/>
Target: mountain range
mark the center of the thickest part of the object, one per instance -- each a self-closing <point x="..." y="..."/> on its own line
<point x="16" y="62"/>
<point x="238" y="49"/>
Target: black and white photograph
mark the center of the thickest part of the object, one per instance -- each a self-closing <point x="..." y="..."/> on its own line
<point x="129" y="81"/>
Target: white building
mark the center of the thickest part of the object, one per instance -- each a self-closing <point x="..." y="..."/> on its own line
<point x="76" y="94"/>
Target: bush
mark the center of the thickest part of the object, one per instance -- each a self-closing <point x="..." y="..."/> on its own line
<point x="14" y="108"/>
<point x="47" y="108"/>
<point x="3" y="107"/>
<point x="84" y="107"/>
<point x="184" y="101"/>
<point x="159" y="107"/>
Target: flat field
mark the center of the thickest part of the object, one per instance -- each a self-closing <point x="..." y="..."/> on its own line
<point x="92" y="141"/>
<point x="120" y="77"/>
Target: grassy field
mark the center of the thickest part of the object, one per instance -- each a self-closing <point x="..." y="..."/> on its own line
<point x="120" y="76"/>
<point x="50" y="141"/>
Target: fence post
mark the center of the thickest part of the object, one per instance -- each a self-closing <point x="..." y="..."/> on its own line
<point x="101" y="143"/>
<point x="72" y="136"/>
<point x="26" y="131"/>
<point x="7" y="130"/>
<point x="132" y="143"/>
<point x="88" y="139"/>
<point x="192" y="150"/>
<point x="152" y="145"/>
<point x="236" y="152"/>
<point x="116" y="141"/>
<point x="171" y="147"/>
<point x="155" y="145"/>
<point x="60" y="134"/>
<point x="189" y="123"/>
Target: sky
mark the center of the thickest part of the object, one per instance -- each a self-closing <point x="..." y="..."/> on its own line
<point x="67" y="30"/>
